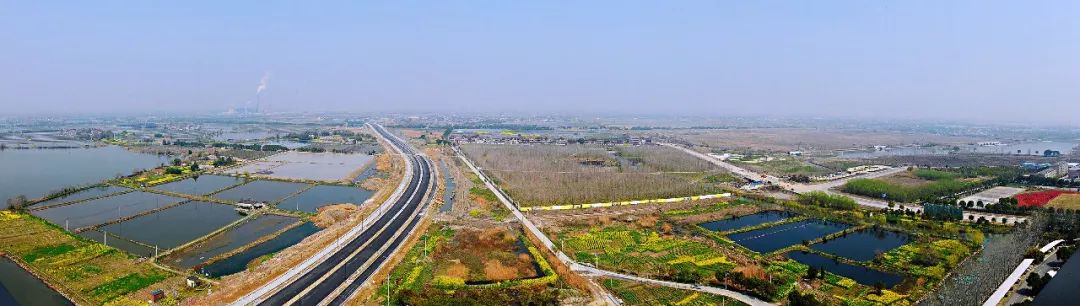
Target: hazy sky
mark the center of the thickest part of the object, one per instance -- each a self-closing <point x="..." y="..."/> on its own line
<point x="1014" y="60"/>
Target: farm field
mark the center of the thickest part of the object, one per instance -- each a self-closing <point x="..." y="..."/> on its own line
<point x="633" y="293"/>
<point x="1065" y="201"/>
<point x="483" y="266"/>
<point x="90" y="272"/>
<point x="102" y="210"/>
<point x="543" y="175"/>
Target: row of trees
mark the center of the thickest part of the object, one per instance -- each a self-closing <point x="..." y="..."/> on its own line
<point x="976" y="278"/>
<point x="823" y="199"/>
<point x="575" y="174"/>
<point x="928" y="193"/>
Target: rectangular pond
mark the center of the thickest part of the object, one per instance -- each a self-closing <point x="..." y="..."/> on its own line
<point x="102" y="210"/>
<point x="322" y="195"/>
<point x="119" y="243"/>
<point x="83" y="195"/>
<point x="251" y="230"/>
<point x="738" y="222"/>
<point x="267" y="191"/>
<point x="317" y="166"/>
<point x="863" y="245"/>
<point x="200" y="185"/>
<point x="239" y="262"/>
<point x="175" y="226"/>
<point x="776" y="237"/>
<point x="20" y="288"/>
<point x="862" y="275"/>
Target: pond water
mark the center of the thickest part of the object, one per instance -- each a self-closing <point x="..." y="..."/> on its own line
<point x="82" y="195"/>
<point x="862" y="275"/>
<point x="102" y="210"/>
<point x="317" y="166"/>
<point x="738" y="222"/>
<point x="267" y="191"/>
<point x="238" y="262"/>
<point x="200" y="185"/>
<point x="119" y="243"/>
<point x="236" y="237"/>
<point x="175" y="226"/>
<point x="776" y="237"/>
<point x="448" y="194"/>
<point x="322" y="195"/>
<point x="19" y="287"/>
<point x="371" y="170"/>
<point x="864" y="245"/>
<point x="34" y="173"/>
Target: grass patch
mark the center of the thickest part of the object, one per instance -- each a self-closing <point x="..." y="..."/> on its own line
<point x="126" y="284"/>
<point x="48" y="251"/>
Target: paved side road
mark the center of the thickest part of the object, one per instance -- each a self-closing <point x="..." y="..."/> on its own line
<point x="591" y="270"/>
<point x="827" y="186"/>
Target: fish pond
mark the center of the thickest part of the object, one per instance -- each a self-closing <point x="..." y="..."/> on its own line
<point x="862" y="275"/>
<point x="83" y="195"/>
<point x="863" y="245"/>
<point x="266" y="191"/>
<point x="175" y="226"/>
<point x="322" y="195"/>
<point x="36" y="172"/>
<point x="766" y="240"/>
<point x="20" y="288"/>
<point x="103" y="210"/>
<point x="241" y="235"/>
<point x="738" y="222"/>
<point x="239" y="262"/>
<point x="200" y="185"/>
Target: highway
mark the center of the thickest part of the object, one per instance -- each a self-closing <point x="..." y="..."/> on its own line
<point x="827" y="187"/>
<point x="335" y="273"/>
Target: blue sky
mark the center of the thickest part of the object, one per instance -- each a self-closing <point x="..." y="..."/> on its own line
<point x="964" y="60"/>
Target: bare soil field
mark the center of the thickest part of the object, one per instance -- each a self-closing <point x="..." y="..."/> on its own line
<point x="790" y="139"/>
<point x="539" y="175"/>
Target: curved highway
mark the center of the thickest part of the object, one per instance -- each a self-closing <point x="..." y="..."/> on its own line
<point x="347" y="265"/>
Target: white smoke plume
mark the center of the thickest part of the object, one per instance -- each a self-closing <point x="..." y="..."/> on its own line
<point x="263" y="83"/>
